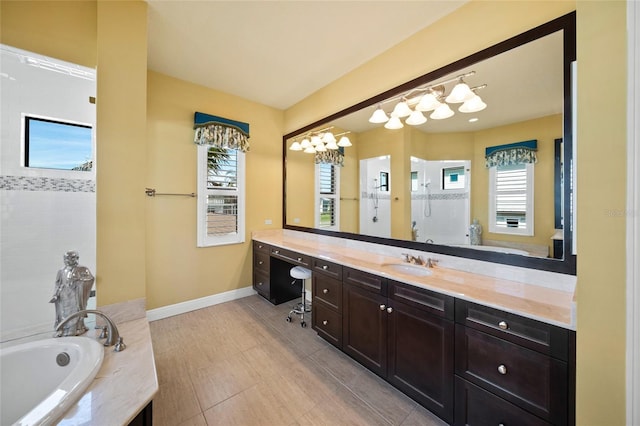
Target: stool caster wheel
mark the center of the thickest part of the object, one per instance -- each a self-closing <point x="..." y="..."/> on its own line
<point x="288" y="319"/>
<point x="303" y="324"/>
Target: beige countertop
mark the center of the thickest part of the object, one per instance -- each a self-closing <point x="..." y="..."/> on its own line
<point x="125" y="384"/>
<point x="541" y="302"/>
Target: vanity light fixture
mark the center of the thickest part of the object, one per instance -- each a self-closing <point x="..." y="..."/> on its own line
<point x="431" y="98"/>
<point x="321" y="141"/>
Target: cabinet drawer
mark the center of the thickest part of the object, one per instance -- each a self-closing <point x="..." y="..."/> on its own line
<point x="332" y="269"/>
<point x="290" y="256"/>
<point x="425" y="300"/>
<point x="261" y="262"/>
<point x="327" y="323"/>
<point x="531" y="380"/>
<point x="536" y="335"/>
<point x="261" y="284"/>
<point x="477" y="407"/>
<point x="328" y="290"/>
<point x="261" y="247"/>
<point x="365" y="281"/>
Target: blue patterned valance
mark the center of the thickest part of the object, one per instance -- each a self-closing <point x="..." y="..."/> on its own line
<point x="511" y="154"/>
<point x="220" y="132"/>
<point x="335" y="157"/>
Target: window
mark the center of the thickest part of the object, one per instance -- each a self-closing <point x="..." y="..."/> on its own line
<point x="453" y="178"/>
<point x="327" y="196"/>
<point x="221" y="181"/>
<point x="511" y="199"/>
<point x="55" y="144"/>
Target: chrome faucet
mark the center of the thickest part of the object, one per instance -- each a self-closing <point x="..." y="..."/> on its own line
<point x="112" y="335"/>
<point x="416" y="260"/>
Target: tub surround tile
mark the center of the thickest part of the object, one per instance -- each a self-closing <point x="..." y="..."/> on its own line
<point x="125" y="383"/>
<point x="540" y="295"/>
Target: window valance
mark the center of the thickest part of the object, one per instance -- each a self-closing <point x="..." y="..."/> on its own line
<point x="511" y="154"/>
<point x="220" y="132"/>
<point x="335" y="157"/>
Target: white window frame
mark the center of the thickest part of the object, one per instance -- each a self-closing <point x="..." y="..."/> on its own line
<point x="493" y="227"/>
<point x="203" y="239"/>
<point x="336" y="196"/>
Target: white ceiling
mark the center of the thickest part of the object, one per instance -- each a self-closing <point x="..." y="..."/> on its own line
<point x="278" y="52"/>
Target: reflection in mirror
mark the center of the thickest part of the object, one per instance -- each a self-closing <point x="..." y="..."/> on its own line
<point x="423" y="173"/>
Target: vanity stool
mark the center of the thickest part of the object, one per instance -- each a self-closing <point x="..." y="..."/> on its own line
<point x="300" y="273"/>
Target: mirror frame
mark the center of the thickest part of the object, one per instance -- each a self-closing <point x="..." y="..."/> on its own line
<point x="566" y="265"/>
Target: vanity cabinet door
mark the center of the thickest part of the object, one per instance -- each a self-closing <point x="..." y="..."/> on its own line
<point x="421" y="345"/>
<point x="364" y="327"/>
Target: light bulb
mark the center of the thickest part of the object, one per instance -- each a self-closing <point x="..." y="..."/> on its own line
<point x="474" y="104"/>
<point x="442" y="112"/>
<point x="344" y="142"/>
<point x="394" y="123"/>
<point x="295" y="146"/>
<point x="378" y="116"/>
<point x="416" y="118"/>
<point x="428" y="102"/>
<point x="401" y="109"/>
<point x="460" y="93"/>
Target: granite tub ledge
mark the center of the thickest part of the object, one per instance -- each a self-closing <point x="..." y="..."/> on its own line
<point x="127" y="380"/>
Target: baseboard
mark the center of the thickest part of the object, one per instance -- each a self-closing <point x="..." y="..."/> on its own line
<point x="203" y="302"/>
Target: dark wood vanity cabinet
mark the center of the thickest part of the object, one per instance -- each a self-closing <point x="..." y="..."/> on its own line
<point x="402" y="333"/>
<point x="518" y="364"/>
<point x="326" y="288"/>
<point x="261" y="269"/>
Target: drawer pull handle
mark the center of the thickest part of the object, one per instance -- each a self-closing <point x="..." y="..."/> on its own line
<point x="325" y="267"/>
<point x="383" y="307"/>
<point x="299" y="259"/>
<point x="325" y="291"/>
<point x="502" y="369"/>
<point x="503" y="325"/>
<point x="389" y="310"/>
<point x="325" y="322"/>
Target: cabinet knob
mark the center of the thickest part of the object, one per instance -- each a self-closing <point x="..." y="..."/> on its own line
<point x="299" y="259"/>
<point x="502" y="369"/>
<point x="383" y="307"/>
<point x="325" y="267"/>
<point x="260" y="262"/>
<point x="503" y="325"/>
<point x="276" y="251"/>
<point x="325" y="291"/>
<point x="260" y="246"/>
<point x="260" y="283"/>
<point x="325" y="322"/>
<point x="389" y="309"/>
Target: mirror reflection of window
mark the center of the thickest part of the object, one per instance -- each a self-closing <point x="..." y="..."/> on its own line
<point x="327" y="196"/>
<point x="453" y="178"/>
<point x="384" y="181"/>
<point x="511" y="199"/>
<point x="414" y="181"/>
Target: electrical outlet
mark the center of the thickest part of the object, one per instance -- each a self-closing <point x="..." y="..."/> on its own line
<point x="267" y="222"/>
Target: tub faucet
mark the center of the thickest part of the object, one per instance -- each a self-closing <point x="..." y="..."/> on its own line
<point x="112" y="337"/>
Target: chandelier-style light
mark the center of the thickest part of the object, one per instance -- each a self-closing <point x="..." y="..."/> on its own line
<point x="321" y="141"/>
<point x="432" y="99"/>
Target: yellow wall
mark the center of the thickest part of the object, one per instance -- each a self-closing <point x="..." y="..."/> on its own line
<point x="177" y="271"/>
<point x="601" y="212"/>
<point x="120" y="155"/>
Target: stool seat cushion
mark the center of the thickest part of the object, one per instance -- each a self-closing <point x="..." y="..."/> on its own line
<point x="300" y="273"/>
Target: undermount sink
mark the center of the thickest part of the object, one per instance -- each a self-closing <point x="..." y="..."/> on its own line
<point x="408" y="269"/>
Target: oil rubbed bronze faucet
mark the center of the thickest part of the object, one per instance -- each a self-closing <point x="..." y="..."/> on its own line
<point x="112" y="335"/>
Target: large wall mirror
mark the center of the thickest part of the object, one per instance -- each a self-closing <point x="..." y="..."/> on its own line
<point x="500" y="160"/>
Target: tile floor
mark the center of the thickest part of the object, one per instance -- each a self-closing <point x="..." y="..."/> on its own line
<point x="241" y="363"/>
